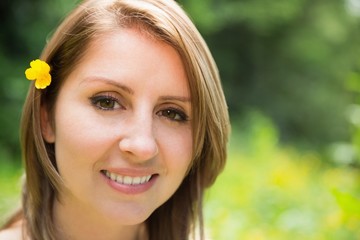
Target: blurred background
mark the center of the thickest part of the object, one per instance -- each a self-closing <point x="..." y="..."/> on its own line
<point x="291" y="75"/>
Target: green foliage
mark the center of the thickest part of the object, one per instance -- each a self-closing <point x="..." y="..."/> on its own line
<point x="10" y="186"/>
<point x="260" y="15"/>
<point x="352" y="84"/>
<point x="288" y="59"/>
<point x="348" y="203"/>
<point x="25" y="27"/>
<point x="269" y="191"/>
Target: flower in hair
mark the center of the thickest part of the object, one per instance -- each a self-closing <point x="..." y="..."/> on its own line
<point x="40" y="72"/>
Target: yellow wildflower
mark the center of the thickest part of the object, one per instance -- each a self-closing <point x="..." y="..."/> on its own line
<point x="40" y="72"/>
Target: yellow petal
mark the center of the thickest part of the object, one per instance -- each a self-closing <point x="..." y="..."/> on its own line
<point x="33" y="63"/>
<point x="37" y="64"/>
<point x="30" y="74"/>
<point x="43" y="81"/>
<point x="45" y="67"/>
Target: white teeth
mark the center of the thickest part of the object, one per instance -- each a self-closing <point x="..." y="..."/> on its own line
<point x="113" y="176"/>
<point x="136" y="180"/>
<point x="127" y="180"/>
<point x="119" y="179"/>
<point x="143" y="179"/>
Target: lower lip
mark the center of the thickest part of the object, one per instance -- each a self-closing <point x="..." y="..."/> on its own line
<point x="131" y="189"/>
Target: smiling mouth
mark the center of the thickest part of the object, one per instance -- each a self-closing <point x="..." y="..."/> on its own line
<point x="126" y="180"/>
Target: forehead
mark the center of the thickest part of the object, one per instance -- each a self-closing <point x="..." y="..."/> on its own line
<point x="128" y="55"/>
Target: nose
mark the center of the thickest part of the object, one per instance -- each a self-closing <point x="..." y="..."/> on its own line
<point x="139" y="142"/>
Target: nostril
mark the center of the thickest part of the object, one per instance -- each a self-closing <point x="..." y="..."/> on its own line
<point x="144" y="147"/>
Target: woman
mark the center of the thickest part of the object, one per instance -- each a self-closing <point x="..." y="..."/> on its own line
<point x="130" y="131"/>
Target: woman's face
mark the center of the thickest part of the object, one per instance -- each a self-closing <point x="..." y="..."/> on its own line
<point x="122" y="132"/>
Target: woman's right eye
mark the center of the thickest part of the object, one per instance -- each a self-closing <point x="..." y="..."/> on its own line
<point x="105" y="102"/>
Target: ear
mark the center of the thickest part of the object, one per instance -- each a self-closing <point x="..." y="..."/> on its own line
<point x="47" y="130"/>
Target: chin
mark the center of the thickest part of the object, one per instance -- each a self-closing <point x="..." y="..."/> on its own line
<point x="127" y="217"/>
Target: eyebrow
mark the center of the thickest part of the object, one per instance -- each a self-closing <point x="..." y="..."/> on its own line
<point x="130" y="91"/>
<point x="175" y="98"/>
<point x="108" y="82"/>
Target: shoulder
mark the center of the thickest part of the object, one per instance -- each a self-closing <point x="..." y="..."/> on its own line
<point x="12" y="233"/>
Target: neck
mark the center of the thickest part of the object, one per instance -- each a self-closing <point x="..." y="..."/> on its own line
<point x="77" y="222"/>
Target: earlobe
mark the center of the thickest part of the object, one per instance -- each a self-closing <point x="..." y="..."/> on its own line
<point x="47" y="130"/>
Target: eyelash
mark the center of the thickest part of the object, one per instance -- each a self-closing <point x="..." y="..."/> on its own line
<point x="180" y="116"/>
<point x="177" y="114"/>
<point x="107" y="99"/>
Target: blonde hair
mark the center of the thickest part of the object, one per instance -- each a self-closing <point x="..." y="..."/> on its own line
<point x="167" y="22"/>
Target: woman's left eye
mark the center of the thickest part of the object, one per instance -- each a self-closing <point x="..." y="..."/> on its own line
<point x="174" y="115"/>
<point x="105" y="102"/>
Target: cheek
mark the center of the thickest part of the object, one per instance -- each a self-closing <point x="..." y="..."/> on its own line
<point x="177" y="149"/>
<point x="79" y="141"/>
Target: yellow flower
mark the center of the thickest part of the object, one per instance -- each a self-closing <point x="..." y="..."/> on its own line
<point x="39" y="71"/>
